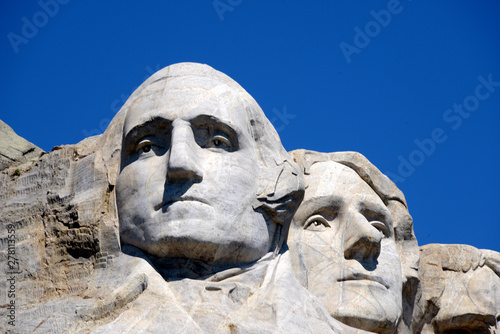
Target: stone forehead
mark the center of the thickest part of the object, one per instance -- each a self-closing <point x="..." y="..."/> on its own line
<point x="380" y="183"/>
<point x="182" y="87"/>
<point x="191" y="90"/>
<point x="326" y="176"/>
<point x="199" y="74"/>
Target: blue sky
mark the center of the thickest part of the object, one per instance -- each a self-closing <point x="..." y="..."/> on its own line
<point x="384" y="78"/>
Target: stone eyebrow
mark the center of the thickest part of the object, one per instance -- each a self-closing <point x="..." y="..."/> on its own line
<point x="326" y="200"/>
<point x="149" y="127"/>
<point x="377" y="209"/>
<point x="326" y="205"/>
<point x="218" y="125"/>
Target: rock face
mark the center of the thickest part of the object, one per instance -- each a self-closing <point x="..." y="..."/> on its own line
<point x="352" y="242"/>
<point x="56" y="237"/>
<point x="14" y="150"/>
<point x="460" y="289"/>
<point x="176" y="220"/>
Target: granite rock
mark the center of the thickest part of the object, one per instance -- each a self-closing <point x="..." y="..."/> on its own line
<point x="15" y="151"/>
<point x="352" y="242"/>
<point x="176" y="219"/>
<point x="77" y="266"/>
<point x="460" y="289"/>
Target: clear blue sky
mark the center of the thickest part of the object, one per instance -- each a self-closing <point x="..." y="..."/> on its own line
<point x="329" y="75"/>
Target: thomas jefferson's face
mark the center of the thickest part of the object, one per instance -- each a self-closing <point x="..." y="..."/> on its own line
<point x="190" y="173"/>
<point x="343" y="245"/>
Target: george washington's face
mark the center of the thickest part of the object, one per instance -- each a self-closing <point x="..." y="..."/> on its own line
<point x="189" y="174"/>
<point x="343" y="245"/>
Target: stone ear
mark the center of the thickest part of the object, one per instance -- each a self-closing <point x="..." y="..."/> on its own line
<point x="281" y="190"/>
<point x="281" y="183"/>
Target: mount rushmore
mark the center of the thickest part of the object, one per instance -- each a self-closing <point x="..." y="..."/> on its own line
<point x="187" y="215"/>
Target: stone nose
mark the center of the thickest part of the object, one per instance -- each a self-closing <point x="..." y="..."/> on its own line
<point x="183" y="158"/>
<point x="361" y="240"/>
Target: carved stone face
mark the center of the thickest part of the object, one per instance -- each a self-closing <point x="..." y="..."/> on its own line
<point x="343" y="249"/>
<point x="470" y="302"/>
<point x="189" y="174"/>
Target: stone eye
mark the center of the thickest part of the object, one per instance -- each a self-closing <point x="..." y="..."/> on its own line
<point x="215" y="136"/>
<point x="377" y="220"/>
<point x="145" y="146"/>
<point x="381" y="227"/>
<point x="316" y="223"/>
<point x="221" y="142"/>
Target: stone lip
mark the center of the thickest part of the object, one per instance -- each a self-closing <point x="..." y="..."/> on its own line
<point x="15" y="151"/>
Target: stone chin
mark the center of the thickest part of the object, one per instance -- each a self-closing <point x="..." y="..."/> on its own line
<point x="195" y="231"/>
<point x="361" y="303"/>
<point x="367" y="305"/>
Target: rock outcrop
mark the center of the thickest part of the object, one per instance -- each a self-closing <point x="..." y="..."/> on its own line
<point x="460" y="289"/>
<point x="15" y="151"/>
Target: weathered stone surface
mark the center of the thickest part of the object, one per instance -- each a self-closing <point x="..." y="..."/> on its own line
<point x="352" y="242"/>
<point x="460" y="289"/>
<point x="176" y="219"/>
<point x="228" y="270"/>
<point x="57" y="228"/>
<point x="15" y="151"/>
<point x="191" y="152"/>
